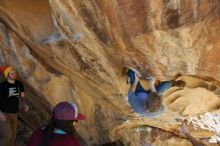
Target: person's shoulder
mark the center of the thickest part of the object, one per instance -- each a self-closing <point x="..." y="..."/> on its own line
<point x="19" y="82"/>
<point x="71" y="140"/>
<point x="3" y="83"/>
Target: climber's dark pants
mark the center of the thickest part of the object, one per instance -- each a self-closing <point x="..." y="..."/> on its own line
<point x="163" y="86"/>
<point x="8" y="130"/>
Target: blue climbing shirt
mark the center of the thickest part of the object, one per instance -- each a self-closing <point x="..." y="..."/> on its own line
<point x="138" y="101"/>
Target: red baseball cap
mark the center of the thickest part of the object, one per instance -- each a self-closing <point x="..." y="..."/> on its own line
<point x="67" y="111"/>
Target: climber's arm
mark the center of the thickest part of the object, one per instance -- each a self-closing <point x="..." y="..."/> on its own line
<point x="152" y="84"/>
<point x="193" y="140"/>
<point x="185" y="131"/>
<point x="134" y="86"/>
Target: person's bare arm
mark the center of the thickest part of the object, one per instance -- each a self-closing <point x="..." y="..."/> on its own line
<point x="24" y="106"/>
<point x="152" y="86"/>
<point x="185" y="131"/>
<point x="22" y="95"/>
<point x="193" y="140"/>
<point x="134" y="86"/>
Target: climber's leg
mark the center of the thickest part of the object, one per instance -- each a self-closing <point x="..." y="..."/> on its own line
<point x="165" y="85"/>
<point x="131" y="77"/>
<point x="134" y="82"/>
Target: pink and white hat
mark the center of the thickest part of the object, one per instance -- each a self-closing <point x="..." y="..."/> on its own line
<point x="67" y="111"/>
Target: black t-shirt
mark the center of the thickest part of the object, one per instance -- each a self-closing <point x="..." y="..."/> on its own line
<point x="9" y="96"/>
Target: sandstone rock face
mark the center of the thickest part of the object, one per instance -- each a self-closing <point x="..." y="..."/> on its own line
<point x="77" y="51"/>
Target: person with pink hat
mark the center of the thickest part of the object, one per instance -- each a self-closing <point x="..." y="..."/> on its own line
<point x="60" y="131"/>
<point x="11" y="98"/>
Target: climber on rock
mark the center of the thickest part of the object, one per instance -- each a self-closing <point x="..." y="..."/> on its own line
<point x="11" y="95"/>
<point x="147" y="102"/>
<point x="60" y="131"/>
<point x="139" y="98"/>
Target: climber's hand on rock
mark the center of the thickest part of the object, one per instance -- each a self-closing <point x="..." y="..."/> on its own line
<point x="2" y="116"/>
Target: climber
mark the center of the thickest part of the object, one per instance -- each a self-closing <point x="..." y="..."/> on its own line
<point x="139" y="98"/>
<point x="60" y="131"/>
<point x="143" y="100"/>
<point x="11" y="95"/>
<point x="184" y="130"/>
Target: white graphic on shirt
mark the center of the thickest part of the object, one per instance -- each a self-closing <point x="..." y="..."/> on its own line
<point x="13" y="92"/>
